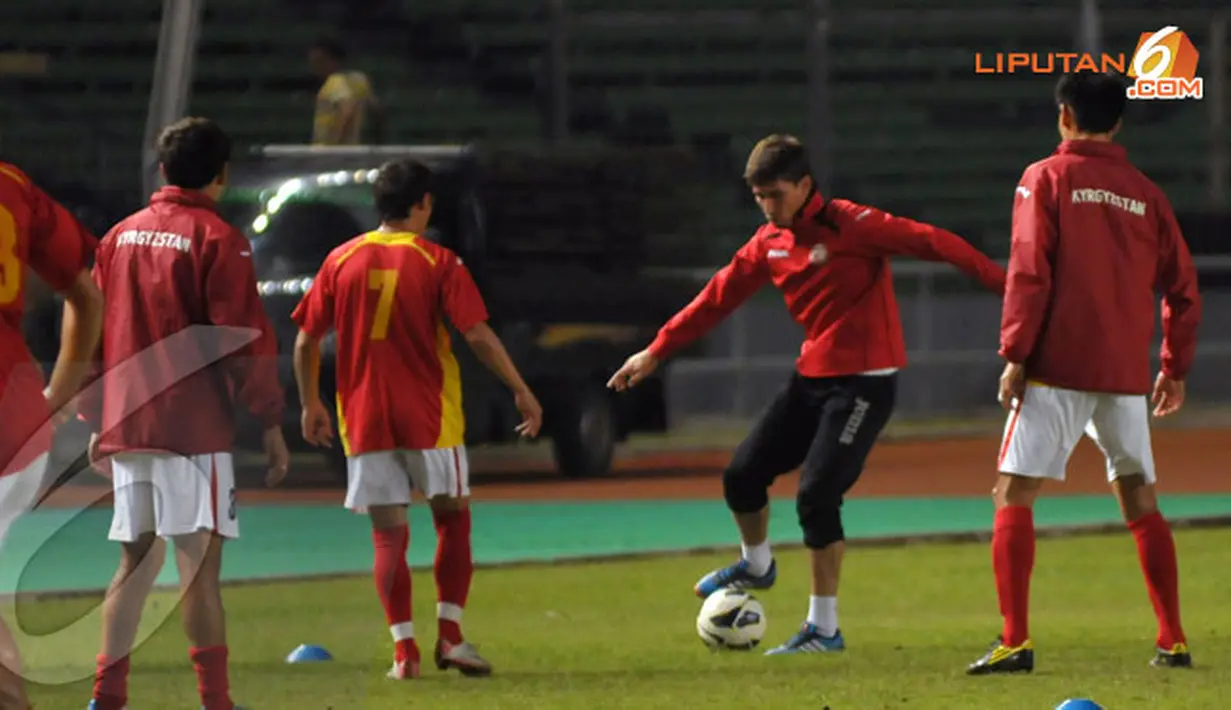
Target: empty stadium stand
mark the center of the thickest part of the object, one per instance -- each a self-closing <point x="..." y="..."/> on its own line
<point x="915" y="129"/>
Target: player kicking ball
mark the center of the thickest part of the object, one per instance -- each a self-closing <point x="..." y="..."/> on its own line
<point x="387" y="295"/>
<point x="1093" y="241"/>
<point x="830" y="259"/>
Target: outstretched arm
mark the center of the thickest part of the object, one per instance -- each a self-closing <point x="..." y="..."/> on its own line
<point x="726" y="290"/>
<point x="881" y="233"/>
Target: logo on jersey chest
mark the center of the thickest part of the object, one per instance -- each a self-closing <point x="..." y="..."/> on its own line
<point x="797" y="259"/>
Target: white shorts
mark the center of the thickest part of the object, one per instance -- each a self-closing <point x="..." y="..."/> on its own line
<point x="170" y="494"/>
<point x="388" y="477"/>
<point x="19" y="492"/>
<point x="1040" y="435"/>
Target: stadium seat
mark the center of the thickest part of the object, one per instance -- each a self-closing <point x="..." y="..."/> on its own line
<point x="915" y="128"/>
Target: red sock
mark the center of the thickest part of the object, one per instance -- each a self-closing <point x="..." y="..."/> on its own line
<point x="1013" y="560"/>
<point x="212" y="682"/>
<point x="111" y="684"/>
<point x="392" y="577"/>
<point x="1156" y="549"/>
<point x="454" y="569"/>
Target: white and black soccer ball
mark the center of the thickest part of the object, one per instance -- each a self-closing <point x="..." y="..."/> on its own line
<point x="731" y="619"/>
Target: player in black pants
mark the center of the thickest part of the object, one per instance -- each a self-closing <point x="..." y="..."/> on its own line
<point x="830" y="259"/>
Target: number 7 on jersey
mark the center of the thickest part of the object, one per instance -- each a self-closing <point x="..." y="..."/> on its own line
<point x="385" y="281"/>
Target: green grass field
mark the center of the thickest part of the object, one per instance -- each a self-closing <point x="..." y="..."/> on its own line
<point x="620" y="635"/>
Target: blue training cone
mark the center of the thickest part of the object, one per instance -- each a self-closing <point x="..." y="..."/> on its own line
<point x="1079" y="704"/>
<point x="307" y="653"/>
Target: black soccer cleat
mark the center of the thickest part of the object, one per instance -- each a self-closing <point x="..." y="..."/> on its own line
<point x="1177" y="657"/>
<point x="1004" y="659"/>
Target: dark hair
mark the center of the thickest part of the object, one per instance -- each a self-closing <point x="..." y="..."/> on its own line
<point x="331" y="47"/>
<point x="400" y="185"/>
<point x="1096" y="99"/>
<point x="777" y="157"/>
<point x="193" y="152"/>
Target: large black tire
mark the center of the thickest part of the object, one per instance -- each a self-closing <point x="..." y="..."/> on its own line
<point x="585" y="428"/>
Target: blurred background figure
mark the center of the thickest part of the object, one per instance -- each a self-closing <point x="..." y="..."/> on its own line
<point x="345" y="100"/>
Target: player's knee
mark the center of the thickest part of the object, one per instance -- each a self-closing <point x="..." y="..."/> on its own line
<point x="1017" y="491"/>
<point x="1137" y="496"/>
<point x="820" y="517"/>
<point x="387" y="516"/>
<point x="744" y="490"/>
<point x="199" y="558"/>
<point x="145" y="554"/>
<point x="446" y="505"/>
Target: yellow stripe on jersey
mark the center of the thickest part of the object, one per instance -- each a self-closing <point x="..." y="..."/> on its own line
<point x="408" y="240"/>
<point x="342" y="425"/>
<point x="452" y="420"/>
<point x="16" y="176"/>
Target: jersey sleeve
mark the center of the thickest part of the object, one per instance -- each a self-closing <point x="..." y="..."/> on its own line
<point x="1181" y="306"/>
<point x="337" y="89"/>
<point x="459" y="296"/>
<point x="362" y="87"/>
<point x="733" y="284"/>
<point x="1028" y="289"/>
<point x="60" y="247"/>
<point x="882" y="234"/>
<point x="315" y="313"/>
<point x="232" y="299"/>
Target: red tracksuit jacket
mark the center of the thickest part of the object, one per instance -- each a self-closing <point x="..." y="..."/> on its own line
<point x="172" y="266"/>
<point x="1093" y="240"/>
<point x="846" y="303"/>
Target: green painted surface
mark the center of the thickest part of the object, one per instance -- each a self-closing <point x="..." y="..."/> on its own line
<point x="68" y="550"/>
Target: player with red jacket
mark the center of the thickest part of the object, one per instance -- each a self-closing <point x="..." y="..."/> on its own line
<point x="38" y="233"/>
<point x="830" y="259"/>
<point x="182" y="303"/>
<point x="389" y="296"/>
<point x="1093" y="241"/>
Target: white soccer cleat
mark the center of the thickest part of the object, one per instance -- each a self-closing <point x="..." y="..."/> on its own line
<point x="404" y="670"/>
<point x="464" y="657"/>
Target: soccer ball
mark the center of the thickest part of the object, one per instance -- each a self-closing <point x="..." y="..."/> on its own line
<point x="731" y="619"/>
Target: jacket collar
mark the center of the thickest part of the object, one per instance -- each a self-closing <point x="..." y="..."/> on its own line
<point x="1096" y="149"/>
<point x="807" y="214"/>
<point x="181" y="196"/>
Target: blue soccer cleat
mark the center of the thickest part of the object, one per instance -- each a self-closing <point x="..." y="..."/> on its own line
<point x="809" y="640"/>
<point x="736" y="576"/>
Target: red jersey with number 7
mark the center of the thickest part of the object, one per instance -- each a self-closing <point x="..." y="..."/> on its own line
<point x="387" y="296"/>
<point x="38" y="233"/>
